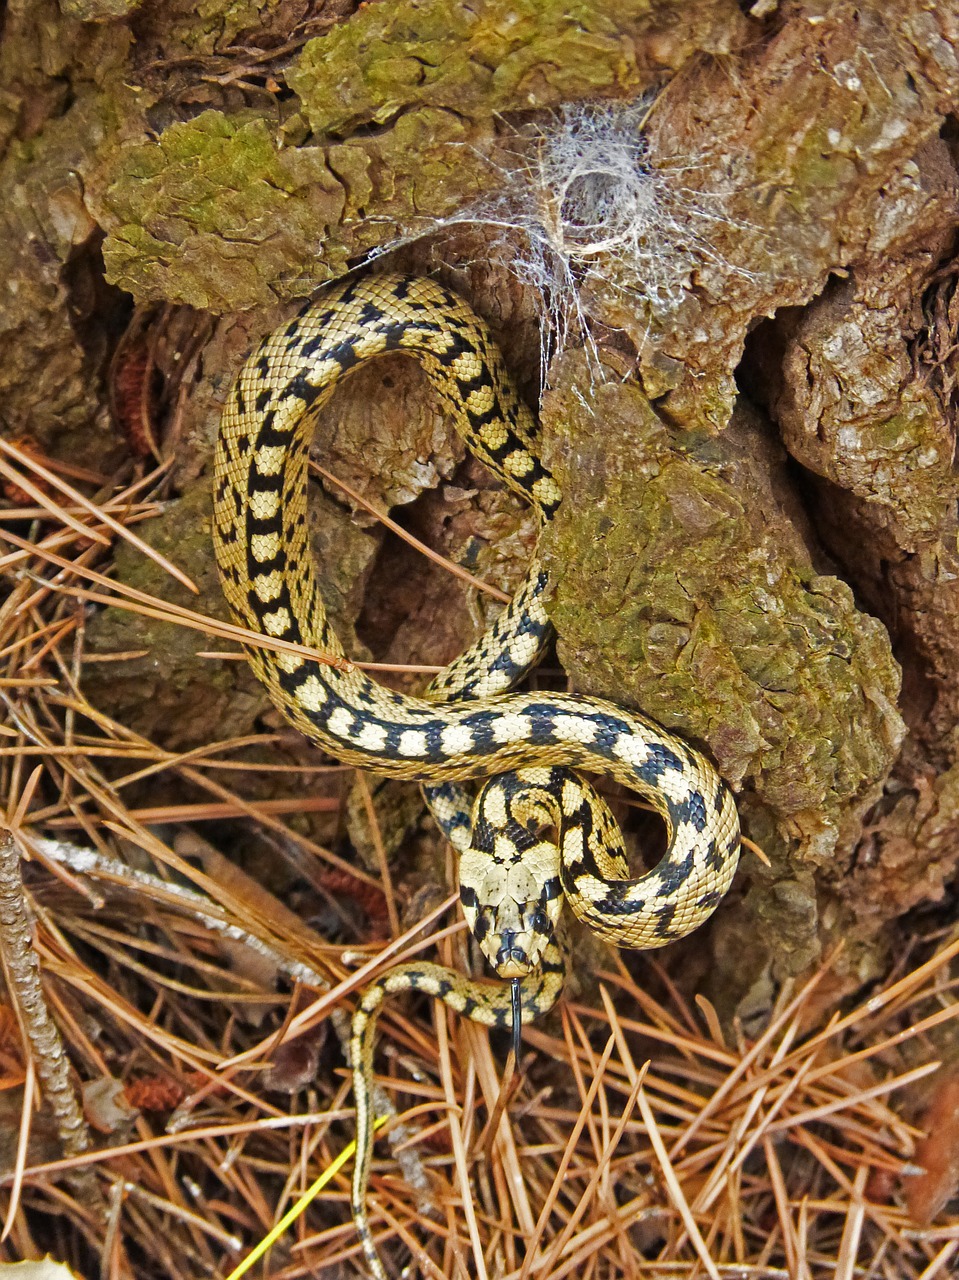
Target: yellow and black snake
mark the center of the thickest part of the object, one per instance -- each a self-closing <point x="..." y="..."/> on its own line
<point x="535" y="834"/>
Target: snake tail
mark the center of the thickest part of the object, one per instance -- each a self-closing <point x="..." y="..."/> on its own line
<point x="492" y="1006"/>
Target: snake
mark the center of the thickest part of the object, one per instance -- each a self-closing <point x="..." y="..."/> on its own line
<point x="501" y="770"/>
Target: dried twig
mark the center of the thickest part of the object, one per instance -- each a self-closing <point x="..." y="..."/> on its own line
<point x="23" y="977"/>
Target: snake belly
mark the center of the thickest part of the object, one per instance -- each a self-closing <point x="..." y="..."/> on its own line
<point x="470" y="727"/>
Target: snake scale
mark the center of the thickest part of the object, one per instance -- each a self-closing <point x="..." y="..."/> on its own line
<point x="534" y="834"/>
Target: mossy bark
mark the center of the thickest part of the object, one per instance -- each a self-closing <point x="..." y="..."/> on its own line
<point x="759" y="530"/>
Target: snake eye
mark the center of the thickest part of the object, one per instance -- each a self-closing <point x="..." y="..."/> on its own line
<point x="539" y="921"/>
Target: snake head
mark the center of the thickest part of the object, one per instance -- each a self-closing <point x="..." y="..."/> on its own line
<point x="512" y="901"/>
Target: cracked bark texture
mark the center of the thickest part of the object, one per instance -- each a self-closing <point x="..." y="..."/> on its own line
<point x="758" y="544"/>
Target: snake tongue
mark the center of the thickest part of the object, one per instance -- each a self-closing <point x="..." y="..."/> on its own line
<point x="516" y="1000"/>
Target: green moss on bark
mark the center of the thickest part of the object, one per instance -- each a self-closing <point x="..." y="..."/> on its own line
<point x="684" y="588"/>
<point x="497" y="55"/>
<point x="98" y="10"/>
<point x="219" y="213"/>
<point x="216" y="215"/>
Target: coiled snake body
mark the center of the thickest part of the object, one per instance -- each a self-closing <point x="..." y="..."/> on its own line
<point x="513" y="877"/>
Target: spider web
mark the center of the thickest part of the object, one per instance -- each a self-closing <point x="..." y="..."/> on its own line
<point x="583" y="207"/>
